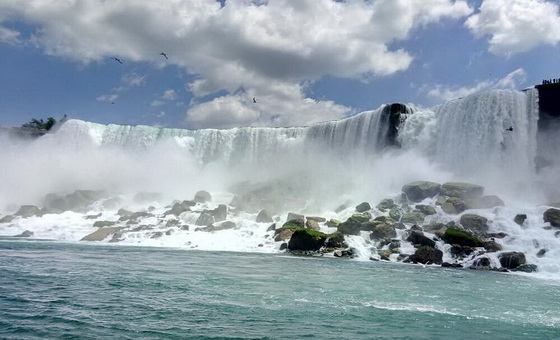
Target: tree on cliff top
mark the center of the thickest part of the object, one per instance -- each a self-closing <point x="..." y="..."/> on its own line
<point x="40" y="124"/>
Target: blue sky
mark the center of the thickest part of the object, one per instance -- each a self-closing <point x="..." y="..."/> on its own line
<point x="304" y="61"/>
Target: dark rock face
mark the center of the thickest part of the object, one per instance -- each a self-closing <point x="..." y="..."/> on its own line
<point x="28" y="211"/>
<point x="475" y="223"/>
<point x="220" y="213"/>
<point x="419" y="239"/>
<point x="511" y="260"/>
<point x="427" y="255"/>
<point x="462" y="190"/>
<point x="335" y="240"/>
<point x="363" y="207"/>
<point x="202" y="196"/>
<point x="264" y="216"/>
<point x="484" y="202"/>
<point x="482" y="262"/>
<point x="383" y="231"/>
<point x="417" y="191"/>
<point x="306" y="239"/>
<point x="205" y="219"/>
<point x="461" y="238"/>
<point x="178" y="208"/>
<point x="552" y="215"/>
<point x="520" y="219"/>
<point x="527" y="268"/>
<point x="353" y="225"/>
<point x="491" y="246"/>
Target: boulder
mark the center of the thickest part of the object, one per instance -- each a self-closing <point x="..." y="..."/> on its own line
<point x="474" y="223"/>
<point x="101" y="234"/>
<point x="335" y="240"/>
<point x="283" y="235"/>
<point x="28" y="211"/>
<point x="363" y="207"/>
<point x="205" y="219"/>
<point x="426" y="209"/>
<point x="484" y="202"/>
<point x="124" y="212"/>
<point x="492" y="246"/>
<point x="520" y="219"/>
<point x="7" y="219"/>
<point x="306" y="239"/>
<point x="386" y="204"/>
<point x="383" y="231"/>
<point x="317" y="219"/>
<point x="264" y="216"/>
<point x="26" y="233"/>
<point x="294" y="216"/>
<point x="512" y="260"/>
<point x="461" y="238"/>
<point x="178" y="208"/>
<point x="202" y="196"/>
<point x="527" y="268"/>
<point x="541" y="253"/>
<point x="312" y="224"/>
<point x="333" y="223"/>
<point x="427" y="255"/>
<point x="552" y="216"/>
<point x="293" y="224"/>
<point x="220" y="213"/>
<point x="353" y="225"/>
<point x="395" y="213"/>
<point x="462" y="190"/>
<point x="101" y="224"/>
<point x="414" y="217"/>
<point x="453" y="206"/>
<point x="481" y="262"/>
<point x="418" y="191"/>
<point x="418" y="239"/>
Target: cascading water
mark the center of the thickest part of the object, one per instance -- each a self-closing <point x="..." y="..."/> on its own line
<point x="322" y="170"/>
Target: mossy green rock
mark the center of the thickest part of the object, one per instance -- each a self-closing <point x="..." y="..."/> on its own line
<point x="335" y="240"/>
<point x="461" y="237"/>
<point x="307" y="239"/>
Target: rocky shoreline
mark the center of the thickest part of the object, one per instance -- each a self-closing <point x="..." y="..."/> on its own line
<point x="396" y="229"/>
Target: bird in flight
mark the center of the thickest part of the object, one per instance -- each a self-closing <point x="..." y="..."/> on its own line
<point x="117" y="59"/>
<point x="510" y="128"/>
<point x="163" y="54"/>
<point x="254" y="100"/>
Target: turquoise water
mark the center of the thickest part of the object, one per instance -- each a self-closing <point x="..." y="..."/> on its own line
<point x="52" y="290"/>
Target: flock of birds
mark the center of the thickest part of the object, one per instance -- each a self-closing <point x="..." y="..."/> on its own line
<point x="165" y="56"/>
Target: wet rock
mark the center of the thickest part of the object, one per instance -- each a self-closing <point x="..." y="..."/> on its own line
<point x="178" y="208"/>
<point x="101" y="224"/>
<point x="520" y="219"/>
<point x="496" y="235"/>
<point x="172" y="223"/>
<point x="474" y="223"/>
<point x="395" y="244"/>
<point x="414" y="217"/>
<point x="427" y="255"/>
<point x="541" y="253"/>
<point x="363" y="207"/>
<point x="306" y="239"/>
<point x="526" y="268"/>
<point x="462" y="190"/>
<point x="92" y="217"/>
<point x="426" y="209"/>
<point x="293" y="216"/>
<point x="484" y="202"/>
<point x="482" y="262"/>
<point x="418" y="239"/>
<point x="205" y="219"/>
<point x="434" y="228"/>
<point x="335" y="240"/>
<point x="383" y="231"/>
<point x="284" y="246"/>
<point x="272" y="227"/>
<point x="333" y="223"/>
<point x="220" y="213"/>
<point x="453" y="206"/>
<point x="102" y="233"/>
<point x="264" y="216"/>
<point x="384" y="254"/>
<point x="353" y="225"/>
<point x="461" y="237"/>
<point x="28" y="211"/>
<point x="26" y="233"/>
<point x="139" y="214"/>
<point x="223" y="226"/>
<point x="451" y="265"/>
<point x="384" y="219"/>
<point x="157" y="234"/>
<point x="386" y="204"/>
<point x="511" y="260"/>
<point x="552" y="216"/>
<point x="317" y="219"/>
<point x="202" y="196"/>
<point x="7" y="219"/>
<point x="492" y="246"/>
<point x="418" y="191"/>
<point x="395" y="213"/>
<point x="124" y="212"/>
<point x="283" y="234"/>
<point x="293" y="224"/>
<point x="344" y="253"/>
<point x="313" y="225"/>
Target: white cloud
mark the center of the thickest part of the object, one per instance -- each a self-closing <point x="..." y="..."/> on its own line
<point x="157" y="103"/>
<point x="268" y="48"/>
<point x="107" y="98"/>
<point x="133" y="79"/>
<point x="9" y="36"/>
<point x="510" y="81"/>
<point x="515" y="26"/>
<point x="169" y="94"/>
